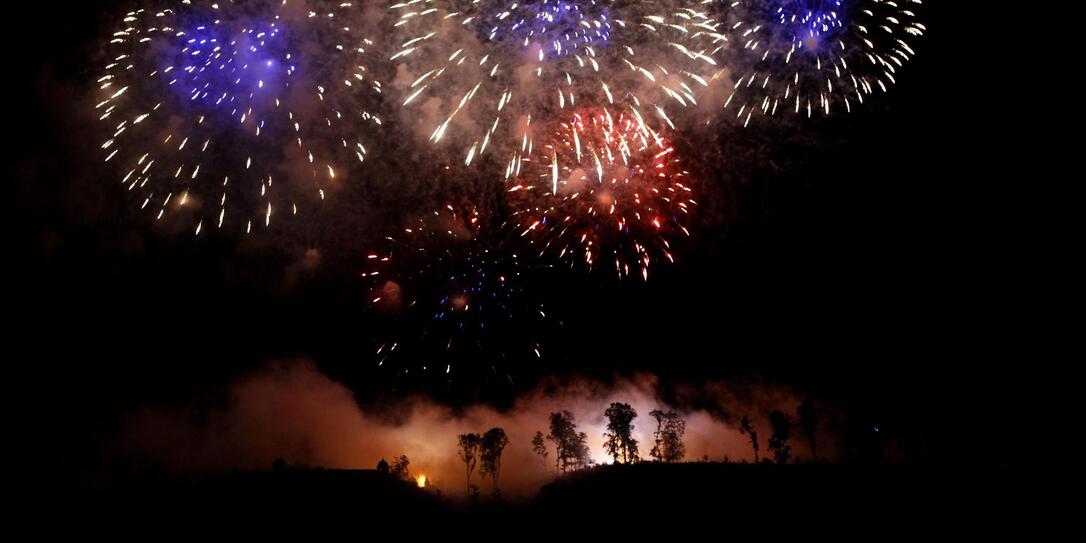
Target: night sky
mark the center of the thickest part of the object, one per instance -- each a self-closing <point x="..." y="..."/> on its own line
<point x="874" y="260"/>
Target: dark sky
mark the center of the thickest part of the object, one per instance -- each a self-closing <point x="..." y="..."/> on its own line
<point x="875" y="260"/>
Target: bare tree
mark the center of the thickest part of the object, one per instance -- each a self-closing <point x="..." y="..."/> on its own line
<point x="490" y="449"/>
<point x="620" y="443"/>
<point x="747" y="427"/>
<point x="670" y="428"/>
<point x="469" y="452"/>
<point x="808" y="424"/>
<point x="782" y="432"/>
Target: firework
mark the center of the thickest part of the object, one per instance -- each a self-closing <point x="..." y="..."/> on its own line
<point x="816" y="56"/>
<point x="477" y="75"/>
<point x="453" y="295"/>
<point x="229" y="113"/>
<point x="605" y="190"/>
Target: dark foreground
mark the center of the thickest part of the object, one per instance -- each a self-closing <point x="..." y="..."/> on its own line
<point x="695" y="500"/>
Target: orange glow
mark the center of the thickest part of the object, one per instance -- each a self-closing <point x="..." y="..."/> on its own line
<point x="421" y="481"/>
<point x="460" y="303"/>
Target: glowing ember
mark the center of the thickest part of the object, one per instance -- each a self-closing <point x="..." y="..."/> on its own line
<point x="421" y="481"/>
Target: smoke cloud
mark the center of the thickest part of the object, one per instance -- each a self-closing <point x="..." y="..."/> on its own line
<point x="293" y="411"/>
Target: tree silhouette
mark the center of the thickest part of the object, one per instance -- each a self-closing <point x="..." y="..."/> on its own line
<point x="782" y="432"/>
<point x="382" y="466"/>
<point x="562" y="428"/>
<point x="808" y="424"/>
<point x="747" y="427"/>
<point x="538" y="446"/>
<point x="579" y="451"/>
<point x="399" y="467"/>
<point x="670" y="428"/>
<point x="571" y="449"/>
<point x="620" y="443"/>
<point x="469" y="452"/>
<point x="490" y="452"/>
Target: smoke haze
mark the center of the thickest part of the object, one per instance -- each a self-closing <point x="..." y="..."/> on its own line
<point x="292" y="410"/>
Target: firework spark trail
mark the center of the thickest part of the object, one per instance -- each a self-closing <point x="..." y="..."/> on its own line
<point x="815" y="56"/>
<point x="459" y="292"/>
<point x="606" y="191"/>
<point x="233" y="112"/>
<point x="478" y="75"/>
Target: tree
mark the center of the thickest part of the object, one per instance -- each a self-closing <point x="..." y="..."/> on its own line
<point x="469" y="452"/>
<point x="620" y="443"/>
<point x="808" y="424"/>
<point x="490" y="452"/>
<point x="399" y="468"/>
<point x="579" y="457"/>
<point x="538" y="446"/>
<point x="747" y="427"/>
<point x="670" y="428"/>
<point x="561" y="428"/>
<point x="782" y="432"/>
<point x="571" y="449"/>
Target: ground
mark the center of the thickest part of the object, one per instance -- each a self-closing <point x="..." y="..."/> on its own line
<point x="712" y="499"/>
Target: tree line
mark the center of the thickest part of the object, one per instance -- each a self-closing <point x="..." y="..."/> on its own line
<point x="484" y="450"/>
<point x="571" y="453"/>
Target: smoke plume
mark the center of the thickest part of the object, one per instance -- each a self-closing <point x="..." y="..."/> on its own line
<point x="291" y="410"/>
